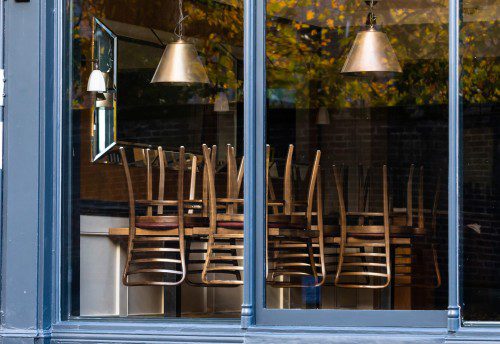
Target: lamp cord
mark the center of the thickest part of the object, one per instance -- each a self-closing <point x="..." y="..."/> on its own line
<point x="178" y="31"/>
<point x="371" y="19"/>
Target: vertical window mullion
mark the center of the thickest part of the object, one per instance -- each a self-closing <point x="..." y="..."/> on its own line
<point x="253" y="133"/>
<point x="454" y="170"/>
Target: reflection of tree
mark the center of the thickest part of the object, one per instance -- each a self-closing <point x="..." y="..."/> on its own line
<point x="81" y="20"/>
<point x="306" y="44"/>
<point x="479" y="62"/>
<point x="218" y="26"/>
<point x="299" y="53"/>
<point x="221" y="27"/>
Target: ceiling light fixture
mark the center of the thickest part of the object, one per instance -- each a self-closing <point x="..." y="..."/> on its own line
<point x="96" y="82"/>
<point x="371" y="51"/>
<point x="180" y="62"/>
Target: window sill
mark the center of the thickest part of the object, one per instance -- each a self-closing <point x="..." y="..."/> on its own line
<point x="145" y="330"/>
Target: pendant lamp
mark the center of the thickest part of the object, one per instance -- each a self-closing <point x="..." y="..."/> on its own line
<point x="323" y="117"/>
<point x="221" y="103"/>
<point x="180" y="62"/>
<point x="96" y="82"/>
<point x="371" y="51"/>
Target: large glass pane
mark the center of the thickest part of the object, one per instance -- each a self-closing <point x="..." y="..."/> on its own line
<point x="357" y="133"/>
<point x="479" y="79"/>
<point x="151" y="226"/>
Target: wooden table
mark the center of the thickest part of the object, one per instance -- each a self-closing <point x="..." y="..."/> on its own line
<point x="399" y="236"/>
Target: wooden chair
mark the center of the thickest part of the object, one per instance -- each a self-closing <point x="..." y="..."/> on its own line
<point x="196" y="246"/>
<point x="156" y="259"/>
<point x="405" y="216"/>
<point x="224" y="255"/>
<point x="295" y="248"/>
<point x="196" y="216"/>
<point x="374" y="268"/>
<point x="403" y="273"/>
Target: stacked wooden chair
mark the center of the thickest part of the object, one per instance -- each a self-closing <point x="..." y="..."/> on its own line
<point x="294" y="242"/>
<point x="223" y="265"/>
<point x="365" y="253"/>
<point x="196" y="249"/>
<point x="156" y="244"/>
<point x="424" y="243"/>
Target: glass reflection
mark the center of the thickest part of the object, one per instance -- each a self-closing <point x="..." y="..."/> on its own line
<point x="479" y="54"/>
<point x="357" y="162"/>
<point x="154" y="204"/>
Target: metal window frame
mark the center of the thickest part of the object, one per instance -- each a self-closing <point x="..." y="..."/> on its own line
<point x="31" y="296"/>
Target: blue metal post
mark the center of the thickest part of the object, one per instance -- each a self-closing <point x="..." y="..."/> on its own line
<point x="249" y="89"/>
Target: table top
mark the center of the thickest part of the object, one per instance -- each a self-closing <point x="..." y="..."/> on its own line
<point x="330" y="231"/>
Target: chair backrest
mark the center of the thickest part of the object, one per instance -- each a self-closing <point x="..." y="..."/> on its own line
<point x="288" y="182"/>
<point x="149" y="157"/>
<point x="343" y="212"/>
<point x="130" y="188"/>
<point x="409" y="197"/>
<point x="284" y="205"/>
<point x="435" y="205"/>
<point x="234" y="177"/>
<point x="209" y="185"/>
<point x="270" y="193"/>
<point x="209" y="162"/>
<point x="159" y="158"/>
<point x="363" y="188"/>
<point x="420" y="201"/>
<point x="315" y="187"/>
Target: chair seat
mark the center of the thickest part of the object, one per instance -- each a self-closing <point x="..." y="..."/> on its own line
<point x="230" y="224"/>
<point x="239" y="225"/>
<point x="156" y="222"/>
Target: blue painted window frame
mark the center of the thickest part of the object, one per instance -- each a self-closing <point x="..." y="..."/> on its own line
<point x="32" y="228"/>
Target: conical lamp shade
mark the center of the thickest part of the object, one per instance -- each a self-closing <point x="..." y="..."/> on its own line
<point x="323" y="117"/>
<point x="96" y="82"/>
<point x="371" y="52"/>
<point x="180" y="64"/>
<point x="221" y="103"/>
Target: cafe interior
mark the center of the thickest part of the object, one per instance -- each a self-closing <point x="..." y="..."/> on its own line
<point x="356" y="156"/>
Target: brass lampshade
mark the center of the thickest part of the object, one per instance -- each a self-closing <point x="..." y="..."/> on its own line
<point x="180" y="64"/>
<point x="371" y="52"/>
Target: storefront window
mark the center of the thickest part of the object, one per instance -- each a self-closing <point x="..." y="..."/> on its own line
<point x="153" y="143"/>
<point x="480" y="231"/>
<point x="357" y="134"/>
